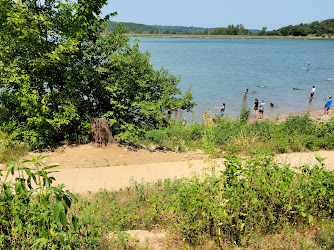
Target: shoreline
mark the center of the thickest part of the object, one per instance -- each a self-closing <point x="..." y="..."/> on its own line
<point x="228" y="36"/>
<point x="316" y="113"/>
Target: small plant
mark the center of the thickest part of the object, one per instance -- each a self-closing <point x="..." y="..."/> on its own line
<point x="244" y="113"/>
<point x="208" y="140"/>
<point x="33" y="213"/>
<point x="11" y="149"/>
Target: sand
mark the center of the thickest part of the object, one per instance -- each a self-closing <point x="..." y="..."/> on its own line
<point x="89" y="168"/>
<point x="315" y="114"/>
<point x="83" y="180"/>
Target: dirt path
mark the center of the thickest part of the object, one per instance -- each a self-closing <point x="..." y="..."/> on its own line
<point x="89" y="168"/>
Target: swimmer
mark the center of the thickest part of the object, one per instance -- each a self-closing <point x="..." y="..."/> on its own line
<point x="329" y="79"/>
<point x="272" y="105"/>
<point x="222" y="109"/>
<point x="295" y="89"/>
<point x="312" y="91"/>
<point x="245" y="93"/>
<point x="262" y="86"/>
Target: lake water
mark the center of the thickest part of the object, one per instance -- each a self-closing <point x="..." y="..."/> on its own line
<point x="220" y="70"/>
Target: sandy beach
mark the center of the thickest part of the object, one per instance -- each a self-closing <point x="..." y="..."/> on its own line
<point x="315" y="114"/>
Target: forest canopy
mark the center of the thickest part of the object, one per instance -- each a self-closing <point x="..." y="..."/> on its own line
<point x="57" y="72"/>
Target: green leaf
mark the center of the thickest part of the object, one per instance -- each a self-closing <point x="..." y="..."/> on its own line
<point x="67" y="202"/>
<point x="51" y="166"/>
<point x="71" y="195"/>
<point x="18" y="187"/>
<point x="75" y="222"/>
<point x="310" y="218"/>
<point x="61" y="239"/>
<point x="57" y="209"/>
<point x="319" y="158"/>
<point x="63" y="219"/>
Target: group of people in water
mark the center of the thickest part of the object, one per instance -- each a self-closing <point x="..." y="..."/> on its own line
<point x="259" y="107"/>
<point x="327" y="104"/>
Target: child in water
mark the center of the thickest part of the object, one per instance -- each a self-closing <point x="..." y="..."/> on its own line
<point x="261" y="109"/>
<point x="222" y="109"/>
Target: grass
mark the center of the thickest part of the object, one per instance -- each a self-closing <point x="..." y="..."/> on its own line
<point x="295" y="134"/>
<point x="11" y="149"/>
<point x="255" y="203"/>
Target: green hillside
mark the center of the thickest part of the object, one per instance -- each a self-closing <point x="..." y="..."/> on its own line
<point x="136" y="28"/>
<point x="317" y="28"/>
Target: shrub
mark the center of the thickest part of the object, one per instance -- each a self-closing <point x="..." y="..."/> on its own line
<point x="10" y="149"/>
<point x="33" y="214"/>
<point x="252" y="199"/>
<point x="252" y="196"/>
<point x="244" y="113"/>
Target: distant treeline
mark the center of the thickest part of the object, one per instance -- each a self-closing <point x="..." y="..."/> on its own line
<point x="316" y="28"/>
<point x="134" y="28"/>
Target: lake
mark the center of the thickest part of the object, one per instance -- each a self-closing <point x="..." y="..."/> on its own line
<point x="220" y="70"/>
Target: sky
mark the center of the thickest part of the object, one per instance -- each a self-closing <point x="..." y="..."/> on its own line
<point x="253" y="14"/>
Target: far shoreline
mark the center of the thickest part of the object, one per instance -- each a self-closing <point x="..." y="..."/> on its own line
<point x="228" y="36"/>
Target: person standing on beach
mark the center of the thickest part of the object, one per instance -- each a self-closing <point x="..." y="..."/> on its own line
<point x="175" y="113"/>
<point x="261" y="109"/>
<point x="255" y="108"/>
<point x="222" y="109"/>
<point x="245" y="93"/>
<point x="328" y="105"/>
<point x="312" y="91"/>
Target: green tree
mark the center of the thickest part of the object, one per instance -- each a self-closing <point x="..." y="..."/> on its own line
<point x="263" y="31"/>
<point x="57" y="71"/>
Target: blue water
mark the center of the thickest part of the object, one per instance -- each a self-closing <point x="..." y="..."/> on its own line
<point x="220" y="70"/>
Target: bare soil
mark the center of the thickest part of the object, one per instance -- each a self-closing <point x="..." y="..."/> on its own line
<point x="93" y="156"/>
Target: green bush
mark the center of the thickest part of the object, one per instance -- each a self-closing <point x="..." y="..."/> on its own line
<point x="252" y="198"/>
<point x="33" y="213"/>
<point x="11" y="149"/>
<point x="297" y="133"/>
<point x="244" y="113"/>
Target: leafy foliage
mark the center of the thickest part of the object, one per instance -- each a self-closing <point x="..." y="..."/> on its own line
<point x="303" y="29"/>
<point x="250" y="199"/>
<point x="295" y="134"/>
<point x="57" y="71"/>
<point x="244" y="113"/>
<point x="11" y="149"/>
<point x="254" y="195"/>
<point x="136" y="28"/>
<point x="35" y="214"/>
<point x="317" y="28"/>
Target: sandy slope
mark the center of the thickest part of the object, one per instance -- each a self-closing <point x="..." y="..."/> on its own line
<point x="89" y="168"/>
